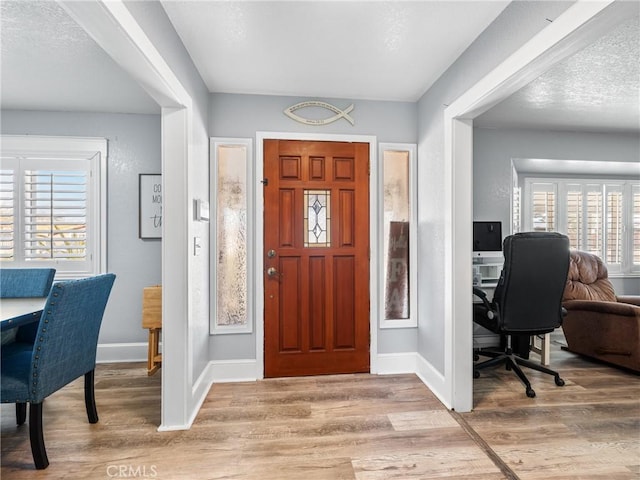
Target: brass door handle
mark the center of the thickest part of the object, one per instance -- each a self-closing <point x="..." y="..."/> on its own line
<point x="272" y="272"/>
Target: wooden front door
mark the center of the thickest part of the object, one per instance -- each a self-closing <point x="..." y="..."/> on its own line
<point x="316" y="257"/>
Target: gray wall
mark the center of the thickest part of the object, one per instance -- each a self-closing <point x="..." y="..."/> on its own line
<point x="133" y="148"/>
<point x="494" y="149"/>
<point x="515" y="26"/>
<point x="243" y="115"/>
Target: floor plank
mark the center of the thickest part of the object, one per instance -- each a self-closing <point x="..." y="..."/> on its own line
<point x="588" y="429"/>
<point x="353" y="427"/>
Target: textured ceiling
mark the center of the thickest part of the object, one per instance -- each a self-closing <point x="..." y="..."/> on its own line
<point x="596" y="89"/>
<point x="48" y="62"/>
<point x="362" y="50"/>
<point x="387" y="51"/>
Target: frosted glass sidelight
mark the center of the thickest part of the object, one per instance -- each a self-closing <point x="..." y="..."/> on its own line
<point x="317" y="218"/>
<point x="231" y="238"/>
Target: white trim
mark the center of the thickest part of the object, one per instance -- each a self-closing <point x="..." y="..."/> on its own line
<point x="121" y="352"/>
<point x="433" y="379"/>
<point x="113" y="27"/>
<point x="214" y="143"/>
<point x="199" y="393"/>
<point x="230" y="371"/>
<point x="412" y="148"/>
<point x="578" y="26"/>
<point x="258" y="287"/>
<point x="396" y="363"/>
<point x="177" y="361"/>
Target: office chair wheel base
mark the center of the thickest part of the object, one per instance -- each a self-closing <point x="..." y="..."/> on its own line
<point x="476" y="374"/>
<point x="559" y="381"/>
<point x="531" y="393"/>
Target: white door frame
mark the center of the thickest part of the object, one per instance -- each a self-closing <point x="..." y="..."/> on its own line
<point x="112" y="26"/>
<point x="579" y="26"/>
<point x="258" y="286"/>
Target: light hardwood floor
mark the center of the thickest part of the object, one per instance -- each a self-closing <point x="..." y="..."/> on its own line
<point x="360" y="427"/>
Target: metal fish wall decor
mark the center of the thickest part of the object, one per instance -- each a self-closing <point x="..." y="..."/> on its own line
<point x="319" y="121"/>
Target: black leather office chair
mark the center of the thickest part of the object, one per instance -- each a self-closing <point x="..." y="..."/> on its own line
<point x="527" y="300"/>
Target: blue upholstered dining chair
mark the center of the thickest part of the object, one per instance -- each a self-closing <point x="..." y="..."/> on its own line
<point x="25" y="282"/>
<point x="64" y="348"/>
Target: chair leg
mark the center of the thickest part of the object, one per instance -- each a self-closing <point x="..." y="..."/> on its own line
<point x="510" y="362"/>
<point x="36" y="436"/>
<point x="21" y="413"/>
<point x="523" y="378"/>
<point x="541" y="368"/>
<point x="90" y="397"/>
<point x="495" y="360"/>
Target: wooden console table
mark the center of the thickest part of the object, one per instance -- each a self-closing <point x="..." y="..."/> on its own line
<point x="152" y="319"/>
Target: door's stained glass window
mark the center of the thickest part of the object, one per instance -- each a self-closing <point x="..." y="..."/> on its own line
<point x="317" y="218"/>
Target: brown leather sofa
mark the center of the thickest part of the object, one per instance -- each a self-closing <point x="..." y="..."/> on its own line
<point x="600" y="324"/>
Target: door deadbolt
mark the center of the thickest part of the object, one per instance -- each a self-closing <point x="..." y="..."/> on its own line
<point x="271" y="253"/>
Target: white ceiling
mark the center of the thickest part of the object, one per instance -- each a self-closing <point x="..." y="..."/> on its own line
<point x="361" y="50"/>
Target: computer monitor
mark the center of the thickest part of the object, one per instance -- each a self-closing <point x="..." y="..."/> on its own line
<point x="487" y="239"/>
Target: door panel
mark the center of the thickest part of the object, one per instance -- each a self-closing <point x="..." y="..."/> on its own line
<point x="316" y="257"/>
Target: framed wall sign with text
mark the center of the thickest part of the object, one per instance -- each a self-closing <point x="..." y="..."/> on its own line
<point x="150" y="206"/>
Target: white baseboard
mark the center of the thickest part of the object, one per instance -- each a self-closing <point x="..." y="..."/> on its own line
<point x="395" y="363"/>
<point x="432" y="378"/>
<point x="121" y="352"/>
<point x="228" y="371"/>
<point x="199" y="392"/>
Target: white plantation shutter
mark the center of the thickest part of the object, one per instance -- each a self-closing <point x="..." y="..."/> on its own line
<point x="56" y="204"/>
<point x="615" y="226"/>
<point x="601" y="217"/>
<point x="53" y="204"/>
<point x="574" y="215"/>
<point x="8" y="214"/>
<point x="635" y="219"/>
<point x="516" y="209"/>
<point x="543" y="210"/>
<point x="594" y="221"/>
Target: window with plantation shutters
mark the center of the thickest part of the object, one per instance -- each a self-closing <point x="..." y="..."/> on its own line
<point x="599" y="216"/>
<point x="52" y="204"/>
<point x="55" y="211"/>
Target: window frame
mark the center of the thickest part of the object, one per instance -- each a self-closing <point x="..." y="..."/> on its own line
<point x="562" y="185"/>
<point x="91" y="149"/>
<point x="412" y="321"/>
<point x="214" y="144"/>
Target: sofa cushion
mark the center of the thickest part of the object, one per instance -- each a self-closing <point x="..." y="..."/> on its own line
<point x="588" y="279"/>
<point x="608" y="308"/>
